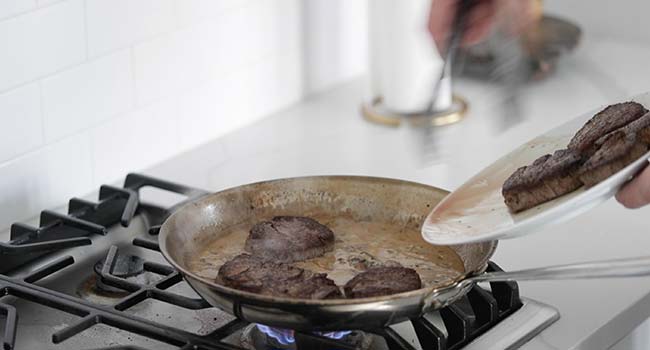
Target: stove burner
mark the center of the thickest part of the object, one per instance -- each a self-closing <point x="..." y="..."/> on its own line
<point x="335" y="334"/>
<point x="125" y="266"/>
<point x="286" y="336"/>
<point x="262" y="337"/>
<point x="90" y="290"/>
<point x="283" y="336"/>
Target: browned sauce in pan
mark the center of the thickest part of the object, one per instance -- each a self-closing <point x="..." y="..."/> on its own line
<point x="358" y="245"/>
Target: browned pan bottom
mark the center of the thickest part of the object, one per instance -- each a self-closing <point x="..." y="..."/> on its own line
<point x="358" y="245"/>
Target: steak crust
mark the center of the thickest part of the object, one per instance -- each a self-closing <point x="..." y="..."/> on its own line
<point x="384" y="280"/>
<point x="640" y="128"/>
<point x="289" y="239"/>
<point x="548" y="177"/>
<point x="617" y="150"/>
<point x="609" y="119"/>
<point x="251" y="274"/>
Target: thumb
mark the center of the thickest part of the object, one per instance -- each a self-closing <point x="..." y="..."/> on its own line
<point x="636" y="193"/>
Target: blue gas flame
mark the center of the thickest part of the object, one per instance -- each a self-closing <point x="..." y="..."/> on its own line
<point x="286" y="336"/>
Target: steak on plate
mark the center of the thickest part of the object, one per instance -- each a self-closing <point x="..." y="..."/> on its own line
<point x="609" y="141"/>
<point x="548" y="177"/>
<point x="617" y="150"/>
<point x="609" y="119"/>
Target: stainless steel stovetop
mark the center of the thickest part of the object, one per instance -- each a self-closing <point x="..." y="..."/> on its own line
<point x="72" y="299"/>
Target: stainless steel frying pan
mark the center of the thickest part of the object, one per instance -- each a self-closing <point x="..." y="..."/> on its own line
<point x="394" y="203"/>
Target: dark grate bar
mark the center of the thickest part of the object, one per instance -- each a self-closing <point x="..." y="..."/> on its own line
<point x="317" y="342"/>
<point x="505" y="293"/>
<point x="55" y="244"/>
<point x="471" y="316"/>
<point x="485" y="307"/>
<point x="49" y="269"/>
<point x="151" y="245"/>
<point x="394" y="340"/>
<point x="137" y="181"/>
<point x="75" y="328"/>
<point x="53" y="218"/>
<point x="107" y="315"/>
<point x="429" y="334"/>
<point x="228" y="329"/>
<point x="155" y="290"/>
<point x="132" y="200"/>
<point x="457" y="323"/>
<point x="154" y="230"/>
<point x="9" y="337"/>
<point x="60" y="231"/>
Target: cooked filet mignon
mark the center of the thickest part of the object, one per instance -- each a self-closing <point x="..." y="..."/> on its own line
<point x="383" y="280"/>
<point x="640" y="128"/>
<point x="548" y="177"/>
<point x="289" y="239"/>
<point x="612" y="139"/>
<point x="604" y="122"/>
<point x="618" y="149"/>
<point x="251" y="274"/>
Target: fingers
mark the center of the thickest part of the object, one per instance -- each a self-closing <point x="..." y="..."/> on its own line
<point x="636" y="193"/>
<point x="479" y="22"/>
<point x="515" y="16"/>
<point x="440" y="19"/>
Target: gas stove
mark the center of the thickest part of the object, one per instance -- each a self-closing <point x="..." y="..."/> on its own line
<point x="94" y="279"/>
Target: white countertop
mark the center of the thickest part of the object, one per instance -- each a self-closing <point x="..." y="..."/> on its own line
<point x="326" y="135"/>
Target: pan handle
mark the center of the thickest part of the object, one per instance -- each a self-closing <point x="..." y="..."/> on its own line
<point x="630" y="267"/>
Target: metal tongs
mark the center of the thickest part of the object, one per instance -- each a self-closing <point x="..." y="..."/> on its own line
<point x="442" y="95"/>
<point x="441" y="99"/>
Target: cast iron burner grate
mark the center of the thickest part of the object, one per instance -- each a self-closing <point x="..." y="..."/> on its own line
<point x="465" y="320"/>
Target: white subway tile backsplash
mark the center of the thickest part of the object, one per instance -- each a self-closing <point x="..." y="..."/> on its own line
<point x="262" y="29"/>
<point x="12" y="7"/>
<point x="239" y="98"/>
<point x="135" y="141"/>
<point x="199" y="115"/>
<point x="167" y="65"/>
<point x="339" y="52"/>
<point x="114" y="24"/>
<point x="275" y="83"/>
<point x="193" y="11"/>
<point x="211" y="49"/>
<point x="41" y="42"/>
<point x="45" y="178"/>
<point x="87" y="95"/>
<point x="93" y="89"/>
<point x="22" y="125"/>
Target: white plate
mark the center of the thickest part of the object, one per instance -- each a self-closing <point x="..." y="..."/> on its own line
<point x="476" y="211"/>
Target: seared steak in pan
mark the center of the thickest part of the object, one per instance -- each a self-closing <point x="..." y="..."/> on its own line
<point x="384" y="280"/>
<point x="289" y="239"/>
<point x="251" y="274"/>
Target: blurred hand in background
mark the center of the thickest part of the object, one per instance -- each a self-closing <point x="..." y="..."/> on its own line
<point x="513" y="17"/>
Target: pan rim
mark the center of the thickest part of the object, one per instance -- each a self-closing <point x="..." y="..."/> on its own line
<point x="255" y="298"/>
